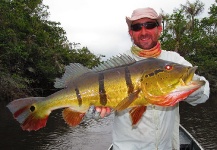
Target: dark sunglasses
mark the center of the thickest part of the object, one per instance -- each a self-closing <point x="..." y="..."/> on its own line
<point x="147" y="25"/>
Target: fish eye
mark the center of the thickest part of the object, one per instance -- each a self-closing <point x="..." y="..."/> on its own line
<point x="32" y="108"/>
<point x="168" y="67"/>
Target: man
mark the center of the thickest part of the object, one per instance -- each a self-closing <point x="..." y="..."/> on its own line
<point x="159" y="126"/>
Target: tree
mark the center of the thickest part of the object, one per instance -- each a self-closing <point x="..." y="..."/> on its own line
<point x="174" y="30"/>
<point x="33" y="50"/>
<point x="206" y="54"/>
<point x="194" y="39"/>
<point x="192" y="10"/>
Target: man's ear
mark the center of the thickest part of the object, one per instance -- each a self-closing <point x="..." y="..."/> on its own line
<point x="130" y="32"/>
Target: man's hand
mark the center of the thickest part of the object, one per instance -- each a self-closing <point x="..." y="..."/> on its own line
<point x="97" y="112"/>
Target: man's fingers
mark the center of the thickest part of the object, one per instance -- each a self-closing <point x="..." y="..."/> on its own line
<point x="103" y="112"/>
<point x="108" y="111"/>
<point x="97" y="112"/>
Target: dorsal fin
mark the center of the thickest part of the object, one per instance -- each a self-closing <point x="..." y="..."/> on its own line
<point x="72" y="71"/>
<point x="115" y="61"/>
<point x="75" y="70"/>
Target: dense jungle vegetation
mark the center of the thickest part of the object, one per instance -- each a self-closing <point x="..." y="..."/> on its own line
<point x="195" y="39"/>
<point x="34" y="51"/>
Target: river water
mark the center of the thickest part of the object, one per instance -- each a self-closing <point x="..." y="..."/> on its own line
<point x="200" y="121"/>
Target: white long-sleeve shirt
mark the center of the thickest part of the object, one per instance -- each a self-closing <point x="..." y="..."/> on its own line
<point x="159" y="126"/>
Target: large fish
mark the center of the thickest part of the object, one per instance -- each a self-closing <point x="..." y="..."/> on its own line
<point x="119" y="83"/>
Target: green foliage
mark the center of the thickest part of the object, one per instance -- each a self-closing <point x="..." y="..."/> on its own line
<point x="194" y="39"/>
<point x="33" y="50"/>
<point x="13" y="86"/>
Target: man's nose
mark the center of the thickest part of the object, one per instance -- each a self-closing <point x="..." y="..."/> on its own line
<point x="143" y="30"/>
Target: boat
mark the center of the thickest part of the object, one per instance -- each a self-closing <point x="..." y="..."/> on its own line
<point x="187" y="141"/>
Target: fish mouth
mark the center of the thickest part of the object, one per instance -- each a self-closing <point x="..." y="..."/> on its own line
<point x="187" y="87"/>
<point x="181" y="93"/>
<point x="189" y="75"/>
<point x="188" y="83"/>
<point x="192" y="85"/>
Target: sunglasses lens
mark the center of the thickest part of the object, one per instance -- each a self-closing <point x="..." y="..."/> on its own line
<point x="136" y="27"/>
<point x="147" y="25"/>
<point x="150" y="25"/>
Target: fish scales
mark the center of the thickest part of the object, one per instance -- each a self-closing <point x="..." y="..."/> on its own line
<point x="119" y="83"/>
<point x="116" y="83"/>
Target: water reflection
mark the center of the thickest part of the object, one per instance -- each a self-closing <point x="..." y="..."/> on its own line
<point x="200" y="121"/>
<point x="56" y="135"/>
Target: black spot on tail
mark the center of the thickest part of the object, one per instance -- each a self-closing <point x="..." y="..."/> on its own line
<point x="32" y="108"/>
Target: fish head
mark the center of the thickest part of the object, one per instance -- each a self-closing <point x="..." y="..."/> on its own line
<point x="165" y="83"/>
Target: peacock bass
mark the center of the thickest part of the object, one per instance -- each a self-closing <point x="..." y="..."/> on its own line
<point x="119" y="83"/>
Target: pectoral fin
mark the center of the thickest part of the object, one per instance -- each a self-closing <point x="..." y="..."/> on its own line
<point x="136" y="114"/>
<point x="72" y="118"/>
<point x="125" y="103"/>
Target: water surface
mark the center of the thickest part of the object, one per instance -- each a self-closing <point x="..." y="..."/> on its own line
<point x="57" y="134"/>
<point x="200" y="121"/>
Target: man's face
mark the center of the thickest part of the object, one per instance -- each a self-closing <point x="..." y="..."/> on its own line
<point x="145" y="38"/>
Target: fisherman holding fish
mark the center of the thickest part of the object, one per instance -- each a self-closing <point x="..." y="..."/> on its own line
<point x="143" y="87"/>
<point x="158" y="128"/>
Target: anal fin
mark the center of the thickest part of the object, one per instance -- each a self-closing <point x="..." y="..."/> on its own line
<point x="136" y="114"/>
<point x="72" y="118"/>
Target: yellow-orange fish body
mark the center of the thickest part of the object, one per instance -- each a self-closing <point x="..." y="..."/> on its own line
<point x="119" y="83"/>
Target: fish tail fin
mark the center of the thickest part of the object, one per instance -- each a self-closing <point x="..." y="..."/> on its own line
<point x="71" y="117"/>
<point x="25" y="112"/>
